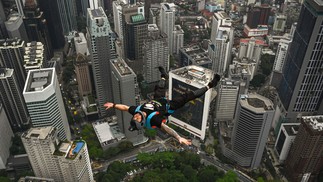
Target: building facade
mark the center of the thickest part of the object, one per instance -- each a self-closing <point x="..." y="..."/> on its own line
<point x="15" y="27"/>
<point x="34" y="56"/>
<point x="5" y="141"/>
<point x="167" y="23"/>
<point x="83" y="77"/>
<point x="178" y="38"/>
<point x="44" y="101"/>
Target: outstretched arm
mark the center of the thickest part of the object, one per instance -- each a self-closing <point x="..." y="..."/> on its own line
<point x="175" y="135"/>
<point x="120" y="107"/>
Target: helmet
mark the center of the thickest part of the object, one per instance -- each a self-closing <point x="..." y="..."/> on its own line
<point x="135" y="125"/>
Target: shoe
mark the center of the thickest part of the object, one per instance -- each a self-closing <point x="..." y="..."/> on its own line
<point x="162" y="71"/>
<point x="214" y="82"/>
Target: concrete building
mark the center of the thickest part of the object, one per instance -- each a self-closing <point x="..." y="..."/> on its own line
<point x="251" y="49"/>
<point x="11" y="97"/>
<point x="300" y="89"/>
<point x="167" y="22"/>
<point x="5" y="141"/>
<point x="254" y="117"/>
<point x="193" y="117"/>
<point x="285" y="139"/>
<point x="219" y="19"/>
<point x="102" y="49"/>
<point x="258" y="15"/>
<point x="117" y="17"/>
<point x="154" y="16"/>
<point x="194" y="55"/>
<point x="226" y="100"/>
<point x="81" y="45"/>
<point x="155" y="53"/>
<point x="305" y="160"/>
<point x="259" y="31"/>
<point x="15" y="27"/>
<point x="281" y="55"/>
<point x="178" y="38"/>
<point x="280" y="21"/>
<point x="55" y="159"/>
<point x="44" y="101"/>
<point x="11" y="56"/>
<point x="83" y="76"/>
<point x="34" y="56"/>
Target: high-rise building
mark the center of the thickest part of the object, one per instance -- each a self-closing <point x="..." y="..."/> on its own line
<point x="34" y="56"/>
<point x="281" y="55"/>
<point x="305" y="160"/>
<point x="135" y="32"/>
<point x="280" y="22"/>
<point x="300" y="89"/>
<point x="155" y="53"/>
<point x="55" y="30"/>
<point x="15" y="27"/>
<point x="11" y="97"/>
<point x="102" y="50"/>
<point x="117" y="17"/>
<point x="251" y="48"/>
<point x="167" y="22"/>
<point x="67" y="13"/>
<point x="258" y="15"/>
<point x="12" y="56"/>
<point x="194" y="115"/>
<point x="178" y="38"/>
<point x="36" y="26"/>
<point x="226" y="100"/>
<point x="254" y="117"/>
<point x="285" y="139"/>
<point x="81" y="45"/>
<point x="5" y="141"/>
<point x="126" y="91"/>
<point x="219" y="19"/>
<point x="55" y="159"/>
<point x="194" y="55"/>
<point x="83" y="76"/>
<point x="45" y="102"/>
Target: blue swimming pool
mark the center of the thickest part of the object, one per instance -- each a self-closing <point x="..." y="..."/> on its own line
<point x="78" y="147"/>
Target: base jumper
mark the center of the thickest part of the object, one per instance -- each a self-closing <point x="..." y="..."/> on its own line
<point x="154" y="113"/>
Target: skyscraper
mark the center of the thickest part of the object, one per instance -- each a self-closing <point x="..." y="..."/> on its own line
<point x="281" y="55"/>
<point x="193" y="116"/>
<point x="155" y="53"/>
<point x="5" y="140"/>
<point x="15" y="27"/>
<point x="167" y="23"/>
<point x="258" y="15"/>
<point x="300" y="89"/>
<point x="102" y="50"/>
<point x="59" y="160"/>
<point x="45" y="102"/>
<point x="305" y="160"/>
<point x="83" y="77"/>
<point x="254" y="117"/>
<point x="34" y="56"/>
<point x="178" y="38"/>
<point x="36" y="26"/>
<point x="11" y="97"/>
<point x="126" y="91"/>
<point x="12" y="56"/>
<point x="67" y="13"/>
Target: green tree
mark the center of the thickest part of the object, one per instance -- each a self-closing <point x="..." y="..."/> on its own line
<point x="260" y="179"/>
<point x="267" y="62"/>
<point x="125" y="146"/>
<point x="230" y="176"/>
<point x="4" y="179"/>
<point x="17" y="147"/>
<point x="258" y="80"/>
<point x="150" y="133"/>
<point x="189" y="173"/>
<point x="209" y="174"/>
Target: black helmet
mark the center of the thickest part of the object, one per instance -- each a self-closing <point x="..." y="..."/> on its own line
<point x="135" y="125"/>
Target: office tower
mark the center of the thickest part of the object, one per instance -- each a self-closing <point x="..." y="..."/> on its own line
<point x="178" y="38"/>
<point x="300" y="89"/>
<point x="167" y="23"/>
<point x="285" y="139"/>
<point x="304" y="161"/>
<point x="12" y="56"/>
<point x="226" y="100"/>
<point x="147" y="9"/>
<point x="292" y="29"/>
<point x="81" y="45"/>
<point x="11" y="97"/>
<point x="194" y="55"/>
<point x="45" y="102"/>
<point x="67" y="13"/>
<point x="154" y="16"/>
<point x="36" y="26"/>
<point x="34" y="56"/>
<point x="126" y="91"/>
<point x="254" y="116"/>
<point x="242" y="71"/>
<point x="192" y="117"/>
<point x="258" y="15"/>
<point x="155" y="53"/>
<point x="15" y="27"/>
<point x="117" y="17"/>
<point x="83" y="77"/>
<point x="251" y="49"/>
<point x="280" y="21"/>
<point x="6" y="135"/>
<point x="102" y="50"/>
<point x="221" y="42"/>
<point x="281" y="55"/>
<point x="55" y="30"/>
<point x="81" y="7"/>
<point x="61" y="160"/>
<point x="135" y="32"/>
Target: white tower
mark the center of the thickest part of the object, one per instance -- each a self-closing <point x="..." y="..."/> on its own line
<point x="167" y="22"/>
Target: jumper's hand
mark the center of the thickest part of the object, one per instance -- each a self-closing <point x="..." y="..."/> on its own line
<point x="185" y="141"/>
<point x="108" y="105"/>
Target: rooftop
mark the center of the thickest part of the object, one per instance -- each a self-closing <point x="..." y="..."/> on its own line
<point x="194" y="73"/>
<point x="315" y="122"/>
<point x="137" y="18"/>
<point x="256" y="102"/>
<point x="122" y="67"/>
<point x="39" y="133"/>
<point x="39" y="79"/>
<point x="291" y="129"/>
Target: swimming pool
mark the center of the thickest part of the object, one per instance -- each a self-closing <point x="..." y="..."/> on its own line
<point x="78" y="147"/>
